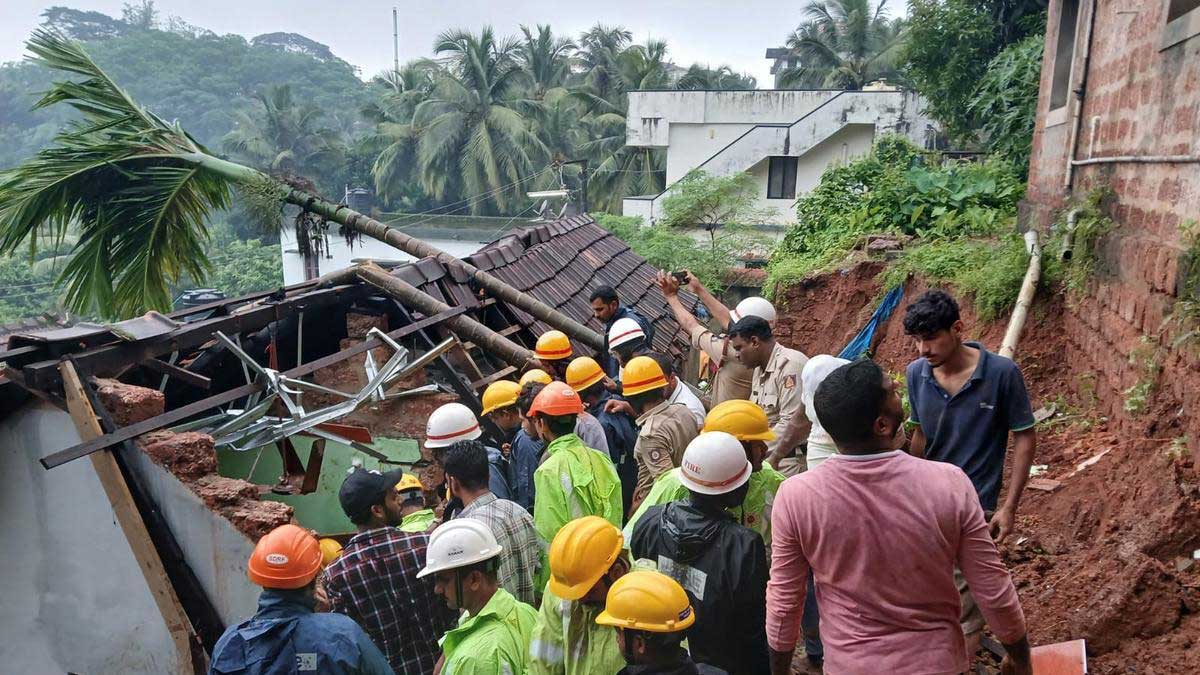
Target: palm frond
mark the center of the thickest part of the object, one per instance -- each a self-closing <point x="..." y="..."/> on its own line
<point x="131" y="183"/>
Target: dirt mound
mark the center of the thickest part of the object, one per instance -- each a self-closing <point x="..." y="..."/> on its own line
<point x="1106" y="553"/>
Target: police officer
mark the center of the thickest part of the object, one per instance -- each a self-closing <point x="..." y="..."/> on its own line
<point x="776" y="387"/>
<point x="664" y="428"/>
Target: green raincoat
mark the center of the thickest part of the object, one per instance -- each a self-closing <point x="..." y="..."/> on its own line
<point x="573" y="482"/>
<point x="418" y="521"/>
<point x="568" y="641"/>
<point x="493" y="642"/>
<point x="754" y="513"/>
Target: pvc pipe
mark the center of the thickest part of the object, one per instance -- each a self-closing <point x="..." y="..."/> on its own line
<point x="1139" y="159"/>
<point x="1025" y="299"/>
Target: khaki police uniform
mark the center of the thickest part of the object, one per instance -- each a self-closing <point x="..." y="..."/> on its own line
<point x="732" y="380"/>
<point x="776" y="388"/>
<point x="664" y="432"/>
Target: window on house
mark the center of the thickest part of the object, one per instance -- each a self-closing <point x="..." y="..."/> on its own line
<point x="1064" y="53"/>
<point x="1183" y="21"/>
<point x="781" y="178"/>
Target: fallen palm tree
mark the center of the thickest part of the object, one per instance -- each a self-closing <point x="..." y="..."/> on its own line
<point x="139" y="189"/>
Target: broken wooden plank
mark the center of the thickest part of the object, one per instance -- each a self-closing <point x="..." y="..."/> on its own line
<point x="181" y="374"/>
<point x="179" y="414"/>
<point x="130" y="520"/>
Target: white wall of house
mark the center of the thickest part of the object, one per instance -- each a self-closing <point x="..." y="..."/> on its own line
<point x="723" y="132"/>
<point x="74" y="599"/>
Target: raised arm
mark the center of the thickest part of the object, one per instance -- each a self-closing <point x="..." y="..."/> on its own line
<point x="670" y="290"/>
<point x="714" y="306"/>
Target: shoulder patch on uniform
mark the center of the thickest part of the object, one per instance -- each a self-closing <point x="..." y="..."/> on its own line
<point x="789" y="382"/>
<point x="655" y="455"/>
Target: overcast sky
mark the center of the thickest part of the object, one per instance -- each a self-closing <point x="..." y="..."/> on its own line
<point x="712" y="32"/>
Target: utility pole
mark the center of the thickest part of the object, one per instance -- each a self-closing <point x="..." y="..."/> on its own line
<point x="395" y="50"/>
<point x="583" y="182"/>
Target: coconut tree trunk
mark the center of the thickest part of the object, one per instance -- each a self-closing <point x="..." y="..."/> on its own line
<point x="410" y="245"/>
<point x="463" y="326"/>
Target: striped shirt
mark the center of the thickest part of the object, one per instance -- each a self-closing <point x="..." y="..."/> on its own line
<point x="514" y="531"/>
<point x="375" y="583"/>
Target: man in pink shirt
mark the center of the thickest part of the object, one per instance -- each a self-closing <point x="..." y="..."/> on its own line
<point x="882" y="532"/>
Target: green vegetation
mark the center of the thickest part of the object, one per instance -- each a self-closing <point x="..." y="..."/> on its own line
<point x="978" y="64"/>
<point x="1146" y="360"/>
<point x="844" y="44"/>
<point x="898" y="189"/>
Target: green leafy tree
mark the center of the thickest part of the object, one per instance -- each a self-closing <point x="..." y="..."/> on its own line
<point x="844" y="44"/>
<point x="286" y="137"/>
<point x="545" y="59"/>
<point x="701" y="200"/>
<point x="724" y="77"/>
<point x="950" y="46"/>
<point x="1006" y="101"/>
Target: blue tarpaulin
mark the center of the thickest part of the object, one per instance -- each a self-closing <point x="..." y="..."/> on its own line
<point x="861" y="342"/>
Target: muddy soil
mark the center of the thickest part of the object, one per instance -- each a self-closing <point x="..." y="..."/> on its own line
<point x="1106" y="554"/>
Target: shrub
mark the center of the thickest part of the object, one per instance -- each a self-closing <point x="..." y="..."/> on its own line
<point x="670" y="249"/>
<point x="1006" y="102"/>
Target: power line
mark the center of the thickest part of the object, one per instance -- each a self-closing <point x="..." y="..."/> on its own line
<point x="473" y="199"/>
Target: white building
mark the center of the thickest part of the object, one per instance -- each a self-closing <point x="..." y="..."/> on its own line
<point x="784" y="138"/>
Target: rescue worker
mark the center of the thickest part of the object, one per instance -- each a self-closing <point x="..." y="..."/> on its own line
<point x="553" y="351"/>
<point x="586" y="558"/>
<point x="520" y="451"/>
<point x="626" y="339"/>
<point x="746" y="422"/>
<point x="330" y="550"/>
<point x="575" y="480"/>
<point x="664" y="428"/>
<point x="455" y="422"/>
<point x="535" y="375"/>
<point x="730" y="379"/>
<point x="651" y="613"/>
<point x="374" y="581"/>
<point x="586" y="377"/>
<point x="417" y="518"/>
<point x="777" y="387"/>
<point x="677" y="390"/>
<point x="467" y="477"/>
<point x="587" y="427"/>
<point x="607" y="308"/>
<point x="494" y="628"/>
<point x="721" y="564"/>
<point x="286" y="635"/>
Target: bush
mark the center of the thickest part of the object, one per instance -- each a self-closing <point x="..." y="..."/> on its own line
<point x="895" y="189"/>
<point x="241" y="267"/>
<point x="25" y="290"/>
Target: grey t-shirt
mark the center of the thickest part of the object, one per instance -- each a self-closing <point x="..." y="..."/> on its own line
<point x="970" y="429"/>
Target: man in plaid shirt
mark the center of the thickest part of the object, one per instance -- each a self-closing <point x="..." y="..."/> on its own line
<point x="466" y="466"/>
<point x="375" y="580"/>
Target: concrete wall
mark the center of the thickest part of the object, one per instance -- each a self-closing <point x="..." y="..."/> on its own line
<point x="1141" y="99"/>
<point x="727" y="132"/>
<point x="73" y="597"/>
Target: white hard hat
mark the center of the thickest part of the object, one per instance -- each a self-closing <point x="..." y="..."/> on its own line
<point x="714" y="463"/>
<point x="624" y="330"/>
<point x="459" y="543"/>
<point x="754" y="306"/>
<point x="450" y="423"/>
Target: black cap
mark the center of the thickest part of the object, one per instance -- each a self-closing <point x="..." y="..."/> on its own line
<point x="365" y="488"/>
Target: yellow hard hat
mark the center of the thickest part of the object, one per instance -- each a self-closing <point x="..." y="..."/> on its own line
<point x="741" y="419"/>
<point x="500" y="394"/>
<point x="581" y="553"/>
<point x="583" y="372"/>
<point x="649" y="601"/>
<point x="642" y="374"/>
<point x="409" y="482"/>
<point x="536" y="375"/>
<point x="553" y="345"/>
<point x="330" y="550"/>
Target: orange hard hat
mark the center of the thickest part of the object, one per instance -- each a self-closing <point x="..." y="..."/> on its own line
<point x="287" y="557"/>
<point x="556" y="399"/>
<point x="553" y="345"/>
<point x="583" y="372"/>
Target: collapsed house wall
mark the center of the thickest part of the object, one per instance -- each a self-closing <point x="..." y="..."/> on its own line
<point x="1140" y="97"/>
<point x="74" y="598"/>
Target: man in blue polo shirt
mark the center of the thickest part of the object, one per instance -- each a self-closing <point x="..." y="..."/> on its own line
<point x="965" y="401"/>
<point x="607" y="308"/>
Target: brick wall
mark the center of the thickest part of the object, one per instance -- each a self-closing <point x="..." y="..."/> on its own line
<point x="1147" y="102"/>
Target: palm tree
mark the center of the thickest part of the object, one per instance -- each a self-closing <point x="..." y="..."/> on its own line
<point x="701" y="77"/>
<point x="844" y="44"/>
<point x="545" y="59"/>
<point x="471" y="138"/>
<point x="599" y="48"/>
<point x="393" y="141"/>
<point x="285" y="138"/>
<point x="139" y="190"/>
